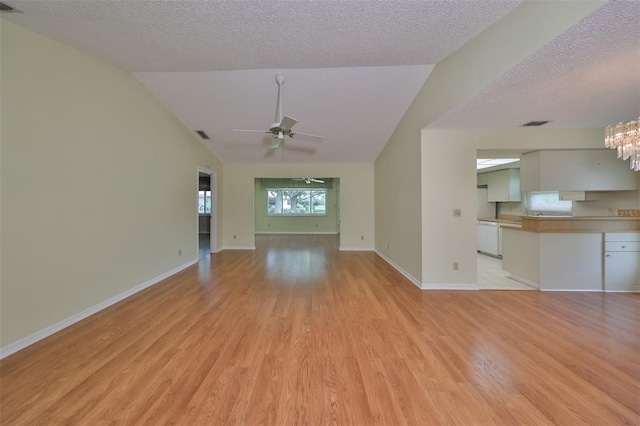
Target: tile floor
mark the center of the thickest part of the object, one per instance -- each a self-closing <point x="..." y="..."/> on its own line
<point x="492" y="277"/>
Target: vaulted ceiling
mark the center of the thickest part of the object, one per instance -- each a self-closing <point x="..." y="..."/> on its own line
<point x="352" y="68"/>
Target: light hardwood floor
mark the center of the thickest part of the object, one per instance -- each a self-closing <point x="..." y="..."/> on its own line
<point x="298" y="332"/>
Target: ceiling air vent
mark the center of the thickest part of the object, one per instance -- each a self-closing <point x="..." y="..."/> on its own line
<point x="6" y="8"/>
<point x="534" y="123"/>
<point x="202" y="134"/>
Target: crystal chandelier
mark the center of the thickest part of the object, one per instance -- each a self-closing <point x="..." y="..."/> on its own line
<point x="625" y="139"/>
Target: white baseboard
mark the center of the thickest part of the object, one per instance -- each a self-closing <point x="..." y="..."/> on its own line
<point x="356" y="249"/>
<point x="297" y="233"/>
<point x="48" y="331"/>
<point x="427" y="286"/>
<point x="591" y="290"/>
<point x="397" y="267"/>
<point x="583" y="290"/>
<point x="524" y="281"/>
<point x="239" y="248"/>
<point x="449" y="286"/>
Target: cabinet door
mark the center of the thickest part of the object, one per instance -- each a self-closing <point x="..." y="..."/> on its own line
<point x="498" y="185"/>
<point x="621" y="271"/>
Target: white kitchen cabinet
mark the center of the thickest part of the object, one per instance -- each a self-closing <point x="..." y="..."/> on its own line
<point x="572" y="195"/>
<point x="504" y="185"/>
<point x="576" y="170"/>
<point x="622" y="262"/>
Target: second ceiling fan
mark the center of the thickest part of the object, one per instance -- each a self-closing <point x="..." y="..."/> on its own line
<point x="308" y="180"/>
<point x="282" y="127"/>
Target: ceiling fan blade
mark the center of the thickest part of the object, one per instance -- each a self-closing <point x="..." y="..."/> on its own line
<point x="287" y="122"/>
<point x="316" y="180"/>
<point x="275" y="143"/>
<point x="313" y="138"/>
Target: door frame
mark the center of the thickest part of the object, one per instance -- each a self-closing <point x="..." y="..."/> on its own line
<point x="213" y="230"/>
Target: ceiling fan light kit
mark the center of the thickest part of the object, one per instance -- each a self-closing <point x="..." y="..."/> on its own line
<point x="282" y="127"/>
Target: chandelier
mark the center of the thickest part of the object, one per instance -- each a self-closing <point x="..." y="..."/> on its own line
<point x="625" y="139"/>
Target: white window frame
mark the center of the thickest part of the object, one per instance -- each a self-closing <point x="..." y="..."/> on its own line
<point x="296" y="214"/>
<point x="207" y="197"/>
<point x="563" y="207"/>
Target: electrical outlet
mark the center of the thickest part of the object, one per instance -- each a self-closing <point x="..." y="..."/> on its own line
<point x="457" y="212"/>
<point x="362" y="237"/>
<point x="234" y="236"/>
<point x="179" y="252"/>
<point x="269" y="225"/>
<point x="455" y="266"/>
<point x="316" y="225"/>
<point x="387" y="245"/>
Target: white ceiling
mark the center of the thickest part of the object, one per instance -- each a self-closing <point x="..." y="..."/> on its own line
<point x="356" y="109"/>
<point x="352" y="67"/>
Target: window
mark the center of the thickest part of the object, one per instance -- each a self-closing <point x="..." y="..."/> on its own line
<point x="204" y="202"/>
<point x="546" y="202"/>
<point x="296" y="202"/>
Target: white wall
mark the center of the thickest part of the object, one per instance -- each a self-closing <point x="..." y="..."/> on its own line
<point x="571" y="261"/>
<point x="99" y="184"/>
<point x="356" y="200"/>
<point x="523" y="261"/>
<point x="448" y="171"/>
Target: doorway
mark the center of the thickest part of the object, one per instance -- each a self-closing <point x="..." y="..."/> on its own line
<point x="206" y="214"/>
<point x="296" y="205"/>
<point x="490" y="168"/>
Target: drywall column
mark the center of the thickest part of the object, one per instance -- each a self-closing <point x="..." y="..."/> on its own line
<point x="448" y="177"/>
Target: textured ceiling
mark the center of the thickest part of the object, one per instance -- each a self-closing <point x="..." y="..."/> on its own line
<point x="589" y="76"/>
<point x="201" y="35"/>
<point x="352" y="67"/>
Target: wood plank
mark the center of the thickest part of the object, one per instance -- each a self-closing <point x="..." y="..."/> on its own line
<point x="298" y="332"/>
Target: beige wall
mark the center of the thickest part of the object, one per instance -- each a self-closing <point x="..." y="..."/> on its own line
<point x="99" y="184"/>
<point x="325" y="224"/>
<point x="356" y="200"/>
<point x="405" y="193"/>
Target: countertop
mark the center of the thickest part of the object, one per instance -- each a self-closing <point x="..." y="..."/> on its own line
<point x="588" y="224"/>
<point x="508" y="221"/>
<point x="568" y="224"/>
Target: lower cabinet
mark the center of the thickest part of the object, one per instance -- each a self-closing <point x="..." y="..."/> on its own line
<point x="622" y="261"/>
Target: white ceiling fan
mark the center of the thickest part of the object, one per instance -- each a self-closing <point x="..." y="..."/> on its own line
<point x="308" y="180"/>
<point x="282" y="127"/>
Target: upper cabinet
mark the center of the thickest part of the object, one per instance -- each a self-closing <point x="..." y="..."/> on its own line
<point x="576" y="170"/>
<point x="504" y="185"/>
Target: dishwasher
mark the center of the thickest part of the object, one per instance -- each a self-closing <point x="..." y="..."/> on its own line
<point x="488" y="237"/>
